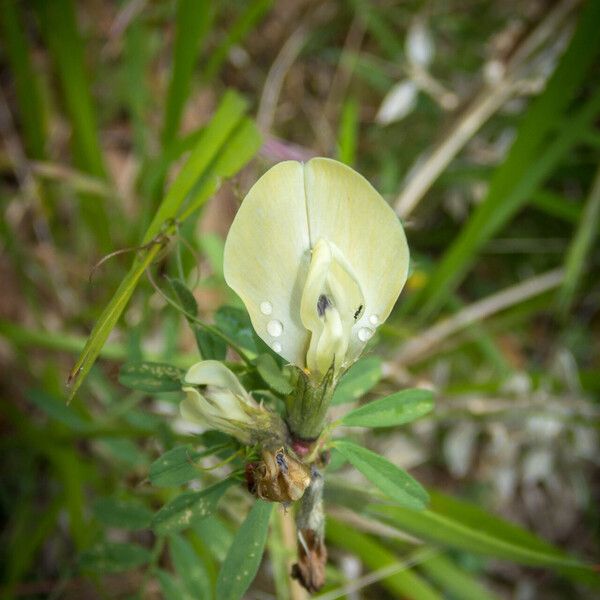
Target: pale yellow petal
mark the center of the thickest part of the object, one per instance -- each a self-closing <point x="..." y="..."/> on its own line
<point x="346" y="210"/>
<point x="267" y="254"/>
<point x="195" y="408"/>
<point x="215" y="373"/>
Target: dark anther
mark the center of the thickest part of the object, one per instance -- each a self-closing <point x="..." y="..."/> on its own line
<point x="280" y="459"/>
<point x="323" y="303"/>
<point x="358" y="312"/>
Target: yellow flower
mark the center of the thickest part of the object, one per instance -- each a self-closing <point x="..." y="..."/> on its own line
<point x="318" y="258"/>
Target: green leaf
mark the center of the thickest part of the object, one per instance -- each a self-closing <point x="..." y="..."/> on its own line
<point x="171" y="588"/>
<point x="363" y="376"/>
<point x="59" y="24"/>
<point x="211" y="346"/>
<point x="235" y="323"/>
<point x="57" y="409"/>
<point x="26" y="81"/>
<point x="245" y="554"/>
<point x="125" y="514"/>
<point x="109" y="557"/>
<point x="191" y="25"/>
<point x="215" y="535"/>
<point x="454" y="580"/>
<point x="182" y="511"/>
<point x="176" y="466"/>
<point x="348" y="131"/>
<point x="390" y="479"/>
<point x="581" y="246"/>
<point x="151" y="377"/>
<point x="397" y="409"/>
<point x="189" y="567"/>
<point x="521" y="173"/>
<point x="474" y="536"/>
<point x="403" y="584"/>
<point x="212" y="140"/>
<point x="272" y="375"/>
<point x="185" y="296"/>
<point x="125" y="451"/>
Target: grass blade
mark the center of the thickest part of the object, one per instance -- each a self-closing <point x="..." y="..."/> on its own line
<point x="487" y="536"/>
<point x="192" y="23"/>
<point x="59" y="23"/>
<point x="348" y="132"/>
<point x="580" y="247"/>
<point x="25" y="79"/>
<point x="403" y="583"/>
<point x="253" y="13"/>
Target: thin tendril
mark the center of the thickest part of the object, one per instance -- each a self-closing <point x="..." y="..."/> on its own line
<point x="160" y="238"/>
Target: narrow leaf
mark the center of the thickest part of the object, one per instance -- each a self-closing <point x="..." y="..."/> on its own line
<point x="125" y="514"/>
<point x="151" y="377"/>
<point x="191" y="24"/>
<point x="364" y="375"/>
<point x="183" y="510"/>
<point x="235" y="322"/>
<point x="109" y="557"/>
<point x="211" y="346"/>
<point x="397" y="409"/>
<point x="245" y="554"/>
<point x="189" y="567"/>
<point x="581" y="246"/>
<point x="171" y="588"/>
<point x="26" y="81"/>
<point x="57" y="410"/>
<point x="177" y="466"/>
<point x="185" y="296"/>
<point x="272" y="375"/>
<point x="404" y="583"/>
<point x="455" y="533"/>
<point x="453" y="579"/>
<point x="390" y="479"/>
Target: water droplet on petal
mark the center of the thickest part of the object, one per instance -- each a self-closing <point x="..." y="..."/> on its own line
<point x="276" y="346"/>
<point x="365" y="334"/>
<point x="374" y="319"/>
<point x="266" y="308"/>
<point x="275" y="328"/>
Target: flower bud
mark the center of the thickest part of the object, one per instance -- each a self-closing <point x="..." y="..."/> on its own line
<point x="217" y="400"/>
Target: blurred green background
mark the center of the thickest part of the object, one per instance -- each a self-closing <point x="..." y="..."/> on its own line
<point x="476" y="119"/>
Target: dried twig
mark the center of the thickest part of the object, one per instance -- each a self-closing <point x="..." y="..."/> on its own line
<point x="417" y="348"/>
<point x="485" y="104"/>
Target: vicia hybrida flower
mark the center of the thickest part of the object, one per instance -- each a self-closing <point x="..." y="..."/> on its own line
<point x="318" y="258"/>
<point x="216" y="399"/>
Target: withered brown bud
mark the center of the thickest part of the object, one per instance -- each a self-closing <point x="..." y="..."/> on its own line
<point x="312" y="559"/>
<point x="278" y="477"/>
<point x="310" y="520"/>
